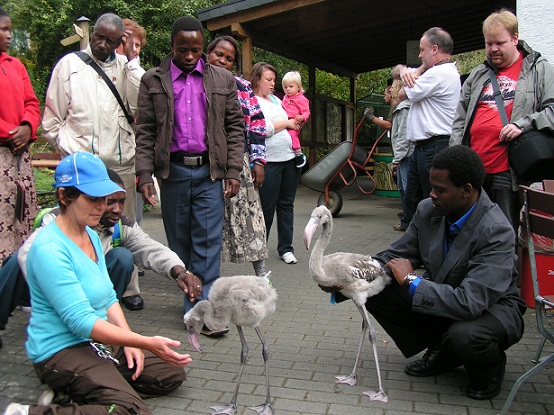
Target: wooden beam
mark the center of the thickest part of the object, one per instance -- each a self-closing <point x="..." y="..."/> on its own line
<point x="293" y="52"/>
<point x="248" y="15"/>
<point x="239" y="31"/>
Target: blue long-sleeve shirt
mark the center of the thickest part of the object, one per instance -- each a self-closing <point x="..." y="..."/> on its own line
<point x="69" y="292"/>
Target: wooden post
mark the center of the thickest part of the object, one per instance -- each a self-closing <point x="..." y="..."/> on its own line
<point x="247" y="57"/>
<point x="81" y="34"/>
<point x="83" y="24"/>
<point x="313" y="118"/>
<point x="240" y="33"/>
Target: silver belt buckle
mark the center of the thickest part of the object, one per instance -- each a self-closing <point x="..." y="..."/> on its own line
<point x="192" y="161"/>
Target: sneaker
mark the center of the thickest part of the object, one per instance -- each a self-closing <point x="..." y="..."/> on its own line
<point x="17" y="409"/>
<point x="46" y="397"/>
<point x="300" y="160"/>
<point x="399" y="227"/>
<point x="25" y="308"/>
<point x="25" y="305"/>
<point x="206" y="331"/>
<point x="289" y="258"/>
<point x="140" y="272"/>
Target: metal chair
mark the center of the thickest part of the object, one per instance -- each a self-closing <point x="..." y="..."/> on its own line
<point x="534" y="202"/>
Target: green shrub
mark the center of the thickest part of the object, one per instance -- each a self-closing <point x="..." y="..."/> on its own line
<point x="44" y="178"/>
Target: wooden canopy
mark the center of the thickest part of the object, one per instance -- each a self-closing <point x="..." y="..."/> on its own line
<point x="345" y="37"/>
<point x="348" y="37"/>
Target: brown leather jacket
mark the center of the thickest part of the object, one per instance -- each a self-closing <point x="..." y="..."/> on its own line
<point x="154" y="127"/>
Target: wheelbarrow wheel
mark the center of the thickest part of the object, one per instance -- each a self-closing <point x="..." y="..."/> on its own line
<point x="335" y="202"/>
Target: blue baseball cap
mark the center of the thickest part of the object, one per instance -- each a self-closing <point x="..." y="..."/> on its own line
<point x="87" y="173"/>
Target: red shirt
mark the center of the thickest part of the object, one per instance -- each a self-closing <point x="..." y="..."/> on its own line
<point x="486" y="126"/>
<point x="19" y="102"/>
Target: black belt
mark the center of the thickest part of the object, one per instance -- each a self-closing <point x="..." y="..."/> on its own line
<point x="431" y="140"/>
<point x="185" y="159"/>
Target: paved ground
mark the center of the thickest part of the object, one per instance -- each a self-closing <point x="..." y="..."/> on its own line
<point x="311" y="341"/>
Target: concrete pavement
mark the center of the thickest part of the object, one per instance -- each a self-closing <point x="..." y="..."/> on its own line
<point x="310" y="340"/>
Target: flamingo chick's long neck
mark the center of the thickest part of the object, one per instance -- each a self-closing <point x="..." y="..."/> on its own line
<point x="316" y="257"/>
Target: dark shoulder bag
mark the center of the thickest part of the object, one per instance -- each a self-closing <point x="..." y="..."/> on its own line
<point x="531" y="155"/>
<point x="90" y="62"/>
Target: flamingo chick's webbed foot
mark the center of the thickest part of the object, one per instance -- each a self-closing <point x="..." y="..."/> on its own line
<point x="263" y="409"/>
<point x="351" y="379"/>
<point x="380" y="396"/>
<point x="230" y="409"/>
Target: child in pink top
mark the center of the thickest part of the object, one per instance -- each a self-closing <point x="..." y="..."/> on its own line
<point x="297" y="107"/>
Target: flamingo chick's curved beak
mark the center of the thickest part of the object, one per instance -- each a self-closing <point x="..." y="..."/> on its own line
<point x="193" y="341"/>
<point x="310" y="229"/>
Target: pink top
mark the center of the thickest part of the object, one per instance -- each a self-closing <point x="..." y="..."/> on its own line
<point x="297" y="105"/>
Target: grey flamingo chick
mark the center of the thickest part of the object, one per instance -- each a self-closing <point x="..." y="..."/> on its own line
<point x="360" y="277"/>
<point x="242" y="300"/>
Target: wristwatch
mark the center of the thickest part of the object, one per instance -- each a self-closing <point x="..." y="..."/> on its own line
<point x="408" y="279"/>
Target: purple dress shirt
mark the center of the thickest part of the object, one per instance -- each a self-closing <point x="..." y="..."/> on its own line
<point x="190" y="106"/>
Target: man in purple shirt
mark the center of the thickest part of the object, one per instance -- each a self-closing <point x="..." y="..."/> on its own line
<point x="190" y="134"/>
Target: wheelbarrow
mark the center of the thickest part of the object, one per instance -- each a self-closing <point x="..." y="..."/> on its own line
<point x="343" y="166"/>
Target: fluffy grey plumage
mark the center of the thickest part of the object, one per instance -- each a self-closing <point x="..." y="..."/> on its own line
<point x="242" y="300"/>
<point x="358" y="276"/>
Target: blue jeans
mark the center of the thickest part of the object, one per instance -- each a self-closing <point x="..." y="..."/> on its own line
<point x="13" y="288"/>
<point x="418" y="186"/>
<point x="192" y="212"/>
<point x="119" y="262"/>
<point x="402" y="182"/>
<point x="277" y="196"/>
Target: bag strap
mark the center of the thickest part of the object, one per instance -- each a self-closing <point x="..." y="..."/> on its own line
<point x="498" y="98"/>
<point x="88" y="60"/>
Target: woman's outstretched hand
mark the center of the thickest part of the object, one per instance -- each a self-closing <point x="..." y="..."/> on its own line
<point x="163" y="348"/>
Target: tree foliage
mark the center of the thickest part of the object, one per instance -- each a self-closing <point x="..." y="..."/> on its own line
<point x="49" y="21"/>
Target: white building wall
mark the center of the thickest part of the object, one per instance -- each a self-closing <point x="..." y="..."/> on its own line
<point x="536" y="25"/>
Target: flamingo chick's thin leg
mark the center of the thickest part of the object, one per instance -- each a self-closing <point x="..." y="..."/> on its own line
<point x="231" y="409"/>
<point x="380" y="395"/>
<point x="352" y="378"/>
<point x="266" y="408"/>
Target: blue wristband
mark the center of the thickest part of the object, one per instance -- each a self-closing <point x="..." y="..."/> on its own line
<point x="413" y="286"/>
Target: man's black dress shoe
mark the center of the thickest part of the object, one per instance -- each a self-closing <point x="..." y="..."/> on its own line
<point x="133" y="302"/>
<point x="491" y="389"/>
<point x="432" y="363"/>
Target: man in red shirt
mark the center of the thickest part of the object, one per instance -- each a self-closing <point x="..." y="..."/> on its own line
<point x="525" y="82"/>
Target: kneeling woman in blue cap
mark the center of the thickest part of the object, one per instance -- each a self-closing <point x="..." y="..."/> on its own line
<point x="76" y="313"/>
